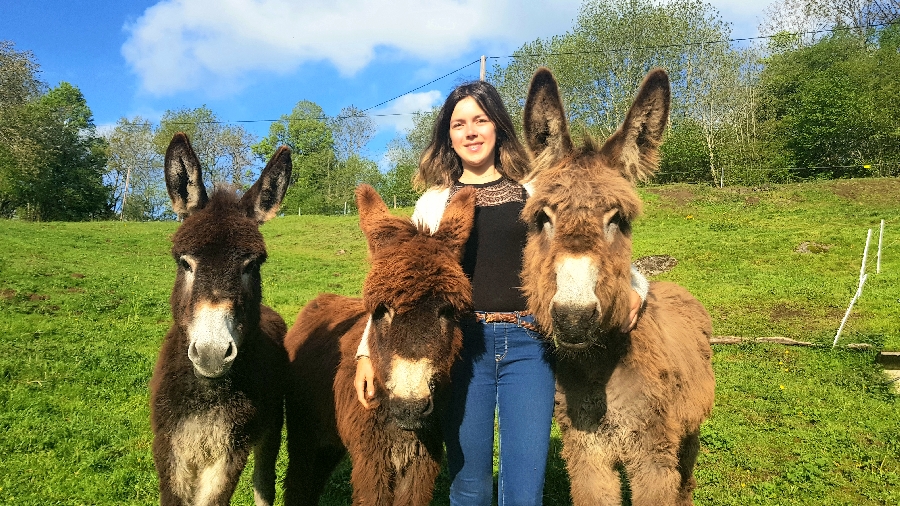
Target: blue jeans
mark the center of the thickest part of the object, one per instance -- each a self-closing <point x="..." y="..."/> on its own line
<point x="504" y="369"/>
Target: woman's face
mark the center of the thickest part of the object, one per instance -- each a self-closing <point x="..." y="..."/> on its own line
<point x="473" y="136"/>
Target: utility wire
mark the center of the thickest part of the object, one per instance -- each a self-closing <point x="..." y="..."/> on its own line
<point x="535" y="55"/>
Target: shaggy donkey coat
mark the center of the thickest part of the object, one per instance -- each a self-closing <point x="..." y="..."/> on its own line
<point x="217" y="389"/>
<point x="636" y="399"/>
<point x="415" y="291"/>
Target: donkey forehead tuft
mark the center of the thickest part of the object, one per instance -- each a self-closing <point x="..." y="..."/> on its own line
<point x="584" y="181"/>
<point x="414" y="271"/>
<point x="222" y="224"/>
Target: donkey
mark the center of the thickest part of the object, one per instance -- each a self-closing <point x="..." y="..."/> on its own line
<point x="218" y="386"/>
<point x="415" y="292"/>
<point x="623" y="399"/>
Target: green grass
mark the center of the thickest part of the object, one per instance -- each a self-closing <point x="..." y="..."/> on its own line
<point x="84" y="307"/>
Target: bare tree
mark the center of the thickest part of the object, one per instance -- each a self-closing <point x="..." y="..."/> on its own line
<point x="811" y="16"/>
<point x="352" y="129"/>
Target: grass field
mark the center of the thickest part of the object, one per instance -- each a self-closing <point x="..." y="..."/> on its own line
<point x="84" y="307"/>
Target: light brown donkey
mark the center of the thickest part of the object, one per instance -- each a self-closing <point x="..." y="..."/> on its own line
<point x="632" y="399"/>
<point x="218" y="387"/>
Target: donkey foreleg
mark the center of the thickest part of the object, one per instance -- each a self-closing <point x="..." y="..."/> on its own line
<point x="265" y="456"/>
<point x="655" y="480"/>
<point x="592" y="470"/>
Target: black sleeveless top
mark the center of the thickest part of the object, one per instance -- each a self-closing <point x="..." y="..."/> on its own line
<point x="493" y="256"/>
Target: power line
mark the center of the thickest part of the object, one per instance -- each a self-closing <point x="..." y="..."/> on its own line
<point x="537" y="55"/>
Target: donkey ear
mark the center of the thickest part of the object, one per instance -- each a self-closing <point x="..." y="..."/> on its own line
<point x="545" y="125"/>
<point x="184" y="179"/>
<point x="379" y="227"/>
<point x="264" y="198"/>
<point x="456" y="223"/>
<point x="634" y="147"/>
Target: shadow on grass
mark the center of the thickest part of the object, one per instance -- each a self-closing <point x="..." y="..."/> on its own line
<point x="556" y="484"/>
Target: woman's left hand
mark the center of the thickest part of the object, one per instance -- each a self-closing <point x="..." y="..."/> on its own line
<point x="633" y="315"/>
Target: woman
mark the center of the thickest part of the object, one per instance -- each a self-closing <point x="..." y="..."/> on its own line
<point x="505" y="366"/>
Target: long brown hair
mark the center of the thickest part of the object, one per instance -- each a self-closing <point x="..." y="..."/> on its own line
<point x="441" y="166"/>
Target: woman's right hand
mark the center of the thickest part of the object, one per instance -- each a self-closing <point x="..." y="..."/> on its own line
<point x="364" y="381"/>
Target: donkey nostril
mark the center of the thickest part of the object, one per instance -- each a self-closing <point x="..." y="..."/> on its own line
<point x="429" y="407"/>
<point x="230" y="352"/>
<point x="192" y="352"/>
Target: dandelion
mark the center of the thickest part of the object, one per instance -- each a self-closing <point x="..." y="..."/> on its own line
<point x="781" y="387"/>
<point x="689" y="217"/>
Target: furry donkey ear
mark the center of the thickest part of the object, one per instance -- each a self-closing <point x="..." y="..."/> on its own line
<point x="264" y="198"/>
<point x="634" y="147"/>
<point x="184" y="179"/>
<point x="377" y="223"/>
<point x="456" y="223"/>
<point x="546" y="129"/>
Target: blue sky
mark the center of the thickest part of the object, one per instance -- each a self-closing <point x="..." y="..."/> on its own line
<point x="255" y="59"/>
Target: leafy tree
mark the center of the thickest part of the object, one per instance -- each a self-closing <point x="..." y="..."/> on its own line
<point x="62" y="176"/>
<point x="306" y="131"/>
<point x="809" y="16"/>
<point x="829" y="105"/>
<point x="601" y="61"/>
<point x="135" y="171"/>
<point x="18" y="77"/>
<point x="403" y="155"/>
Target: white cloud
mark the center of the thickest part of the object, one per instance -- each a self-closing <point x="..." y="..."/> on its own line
<point x="181" y="45"/>
<point x="399" y="113"/>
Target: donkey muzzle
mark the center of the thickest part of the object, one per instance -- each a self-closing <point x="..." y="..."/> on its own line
<point x="411" y="414"/>
<point x="212" y="359"/>
<point x="213" y="346"/>
<point x="573" y="325"/>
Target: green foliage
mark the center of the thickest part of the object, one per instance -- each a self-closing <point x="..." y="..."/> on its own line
<point x="223" y="150"/>
<point x="84" y="308"/>
<point x="18" y="77"/>
<point x="51" y="163"/>
<point x="134" y="161"/>
<point x="828" y="105"/>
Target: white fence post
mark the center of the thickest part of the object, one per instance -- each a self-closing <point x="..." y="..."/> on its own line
<point x="862" y="281"/>
<point x="880" y="237"/>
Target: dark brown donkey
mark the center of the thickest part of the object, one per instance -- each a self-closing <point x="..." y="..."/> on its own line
<point x="634" y="399"/>
<point x="415" y="292"/>
<point x="217" y="389"/>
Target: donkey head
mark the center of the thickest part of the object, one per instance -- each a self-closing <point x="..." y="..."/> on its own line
<point x="219" y="251"/>
<point x="415" y="292"/>
<point x="576" y="271"/>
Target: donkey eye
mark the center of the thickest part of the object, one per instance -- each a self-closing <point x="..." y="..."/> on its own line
<point x="185" y="264"/>
<point x="383" y="313"/>
<point x="251" y="265"/>
<point x="615" y="223"/>
<point x="447" y="312"/>
<point x="544" y="220"/>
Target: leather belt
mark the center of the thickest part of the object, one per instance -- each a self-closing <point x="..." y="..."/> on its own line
<point x="514" y="317"/>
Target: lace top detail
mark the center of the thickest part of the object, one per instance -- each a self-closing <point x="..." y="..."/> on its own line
<point x="494" y="193"/>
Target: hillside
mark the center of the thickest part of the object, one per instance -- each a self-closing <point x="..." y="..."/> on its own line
<point x="84" y="307"/>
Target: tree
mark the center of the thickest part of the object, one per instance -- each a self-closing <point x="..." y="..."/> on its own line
<point x="352" y="130"/>
<point x="306" y="131"/>
<point x="830" y="105"/>
<point x="135" y="171"/>
<point x="62" y="179"/>
<point x="224" y="151"/>
<point x="18" y="77"/>
<point x="810" y="16"/>
<point x="403" y="154"/>
<point x="601" y="61"/>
